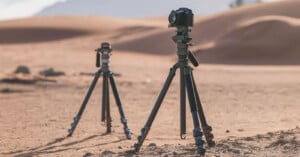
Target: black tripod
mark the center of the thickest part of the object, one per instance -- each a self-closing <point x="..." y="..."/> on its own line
<point x="105" y="52"/>
<point x="187" y="83"/>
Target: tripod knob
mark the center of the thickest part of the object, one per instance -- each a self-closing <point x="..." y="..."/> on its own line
<point x="97" y="59"/>
<point x="189" y="44"/>
<point x="193" y="59"/>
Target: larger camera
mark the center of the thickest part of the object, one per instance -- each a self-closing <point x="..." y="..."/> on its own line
<point x="181" y="17"/>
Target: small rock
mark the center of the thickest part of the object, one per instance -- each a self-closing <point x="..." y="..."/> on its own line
<point x="258" y="136"/>
<point x="240" y="130"/>
<point x="88" y="155"/>
<point x="227" y="131"/>
<point x="120" y="147"/>
<point x="22" y="69"/>
<point x="270" y="133"/>
<point x="249" y="139"/>
<point x="235" y="151"/>
<point x="51" y="72"/>
<point x="152" y="145"/>
<point x="107" y="153"/>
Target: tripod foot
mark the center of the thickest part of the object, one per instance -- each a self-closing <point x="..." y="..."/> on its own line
<point x="207" y="130"/>
<point x="198" y="140"/>
<point x="73" y="125"/>
<point x="183" y="136"/>
<point x="126" y="129"/>
<point x="141" y="139"/>
<point x="128" y="134"/>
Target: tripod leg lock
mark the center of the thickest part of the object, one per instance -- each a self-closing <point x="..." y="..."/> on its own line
<point x="123" y="120"/>
<point x="141" y="138"/>
<point x="73" y="125"/>
<point x="126" y="129"/>
<point x="209" y="136"/>
<point x="128" y="133"/>
<point x="198" y="140"/>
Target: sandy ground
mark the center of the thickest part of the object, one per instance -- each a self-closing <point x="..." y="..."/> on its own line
<point x="252" y="107"/>
<point x="239" y="101"/>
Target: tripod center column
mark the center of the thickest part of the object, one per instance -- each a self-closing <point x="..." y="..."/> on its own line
<point x="182" y="40"/>
<point x="105" y="61"/>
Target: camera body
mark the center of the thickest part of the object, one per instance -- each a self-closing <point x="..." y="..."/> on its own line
<point x="181" y="17"/>
<point x="105" y="47"/>
<point x="105" y="51"/>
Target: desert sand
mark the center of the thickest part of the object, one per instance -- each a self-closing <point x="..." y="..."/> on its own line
<point x="248" y="78"/>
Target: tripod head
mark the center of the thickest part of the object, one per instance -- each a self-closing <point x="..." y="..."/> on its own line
<point x="182" y="19"/>
<point x="102" y="55"/>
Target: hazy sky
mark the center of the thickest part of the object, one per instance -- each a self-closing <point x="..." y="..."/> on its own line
<point x="10" y="9"/>
<point x="22" y="8"/>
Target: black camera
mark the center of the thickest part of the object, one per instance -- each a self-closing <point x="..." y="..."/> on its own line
<point x="105" y="51"/>
<point x="181" y="17"/>
<point x="105" y="47"/>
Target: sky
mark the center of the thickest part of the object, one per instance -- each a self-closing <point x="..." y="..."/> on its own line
<point x="10" y="9"/>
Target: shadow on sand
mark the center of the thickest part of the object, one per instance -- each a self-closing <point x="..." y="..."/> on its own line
<point x="51" y="147"/>
<point x="37" y="34"/>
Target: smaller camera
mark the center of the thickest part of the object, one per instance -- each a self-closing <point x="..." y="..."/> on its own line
<point x="181" y="17"/>
<point x="105" y="52"/>
<point x="105" y="47"/>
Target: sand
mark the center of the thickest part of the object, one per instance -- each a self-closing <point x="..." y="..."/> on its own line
<point x="250" y="91"/>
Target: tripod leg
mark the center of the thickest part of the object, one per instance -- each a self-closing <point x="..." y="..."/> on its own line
<point x="119" y="104"/>
<point x="207" y="130"/>
<point x="108" y="116"/>
<point x="85" y="101"/>
<point x="155" y="109"/>
<point x="191" y="95"/>
<point x="182" y="105"/>
<point x="104" y="98"/>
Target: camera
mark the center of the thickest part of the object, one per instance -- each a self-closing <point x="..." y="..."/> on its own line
<point x="105" y="50"/>
<point x="181" y="17"/>
<point x="105" y="47"/>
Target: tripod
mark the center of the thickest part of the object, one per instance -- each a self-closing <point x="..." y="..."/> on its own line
<point x="105" y="51"/>
<point x="187" y="84"/>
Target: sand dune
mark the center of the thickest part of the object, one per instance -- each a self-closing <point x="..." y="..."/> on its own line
<point x="258" y="34"/>
<point x="87" y="23"/>
<point x="42" y="29"/>
<point x="264" y="40"/>
<point x="51" y="28"/>
<point x="213" y="27"/>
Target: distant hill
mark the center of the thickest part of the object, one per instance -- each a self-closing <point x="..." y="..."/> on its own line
<point x="132" y="8"/>
<point x="262" y="34"/>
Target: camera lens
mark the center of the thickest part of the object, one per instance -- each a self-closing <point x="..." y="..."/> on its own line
<point x="172" y="18"/>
